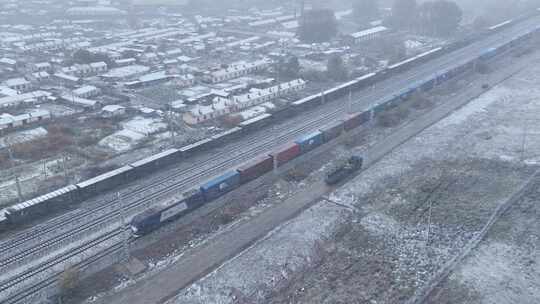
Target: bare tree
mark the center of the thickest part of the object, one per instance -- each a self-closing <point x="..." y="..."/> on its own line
<point x="68" y="283"/>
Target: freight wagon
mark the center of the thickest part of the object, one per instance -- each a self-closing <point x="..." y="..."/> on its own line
<point x="155" y="162"/>
<point x="105" y="182"/>
<point x="256" y="123"/>
<point x="310" y="141"/>
<point x="286" y="153"/>
<point x="194" y="148"/>
<point x="42" y="205"/>
<point x="255" y="168"/>
<point x="220" y="185"/>
<point x="167" y="211"/>
<point x="3" y="222"/>
<point x="356" y="119"/>
<point x="405" y="64"/>
<point x="307" y="103"/>
<point x="333" y="130"/>
<point x="225" y="136"/>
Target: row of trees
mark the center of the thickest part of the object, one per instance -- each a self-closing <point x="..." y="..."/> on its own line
<point x="443" y="16"/>
<point x="438" y="17"/>
<point x="318" y="25"/>
<point x="435" y="17"/>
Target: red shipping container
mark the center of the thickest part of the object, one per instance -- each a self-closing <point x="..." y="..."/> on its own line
<point x="356" y="119"/>
<point x="255" y="168"/>
<point x="286" y="153"/>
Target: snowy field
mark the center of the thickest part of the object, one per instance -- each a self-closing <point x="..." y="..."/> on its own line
<point x="20" y="137"/>
<point x="480" y="146"/>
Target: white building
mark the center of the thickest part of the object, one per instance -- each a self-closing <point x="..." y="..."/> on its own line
<point x="83" y="70"/>
<point x="8" y="62"/>
<point x="149" y="58"/>
<point x="8" y="121"/>
<point x="237" y="70"/>
<point x="125" y="62"/>
<point x="81" y="102"/>
<point x="41" y="76"/>
<point x="31" y="97"/>
<point x="42" y="67"/>
<point x="66" y="79"/>
<point x="94" y="12"/>
<point x="367" y="35"/>
<point x="86" y="91"/>
<point x="5" y="91"/>
<point x="187" y="80"/>
<point x="112" y="111"/>
<point x="199" y="113"/>
<point x="222" y="106"/>
<point x="126" y="72"/>
<point x="19" y="84"/>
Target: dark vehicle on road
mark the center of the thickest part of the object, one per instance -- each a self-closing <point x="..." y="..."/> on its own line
<point x="344" y="170"/>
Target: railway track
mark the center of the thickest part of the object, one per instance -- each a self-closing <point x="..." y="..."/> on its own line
<point x="19" y="256"/>
<point x="168" y="183"/>
<point x="172" y="179"/>
<point x="25" y="296"/>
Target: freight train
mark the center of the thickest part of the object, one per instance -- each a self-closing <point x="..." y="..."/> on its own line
<point x="73" y="194"/>
<point x="216" y="187"/>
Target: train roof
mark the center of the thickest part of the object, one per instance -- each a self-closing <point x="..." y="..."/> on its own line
<point x="331" y="125"/>
<point x="154" y="157"/>
<point x="225" y="133"/>
<point x="103" y="177"/>
<point x="393" y="66"/>
<point x="308" y="136"/>
<point x="43" y="198"/>
<point x="195" y="145"/>
<point x="306" y="99"/>
<point x="220" y="179"/>
<point x="254" y="120"/>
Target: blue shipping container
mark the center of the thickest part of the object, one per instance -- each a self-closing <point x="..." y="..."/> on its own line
<point x="220" y="185"/>
<point x="310" y="141"/>
<point x="332" y="131"/>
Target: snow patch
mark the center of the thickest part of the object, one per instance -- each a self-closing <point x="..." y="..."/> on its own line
<point x="476" y="106"/>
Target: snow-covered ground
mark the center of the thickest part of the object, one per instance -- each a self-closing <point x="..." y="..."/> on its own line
<point x="284" y="252"/>
<point x="30" y="176"/>
<point x="494" y="127"/>
<point x="20" y="137"/>
<point x="134" y="131"/>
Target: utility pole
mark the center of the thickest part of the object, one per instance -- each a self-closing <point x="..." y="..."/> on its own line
<point x="349" y="102"/>
<point x="44" y="169"/>
<point x="17" y="181"/>
<point x="523" y="140"/>
<point x="64" y="168"/>
<point x="171" y="127"/>
<point x="125" y="242"/>
<point x="429" y="222"/>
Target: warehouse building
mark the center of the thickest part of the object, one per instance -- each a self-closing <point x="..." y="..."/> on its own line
<point x="367" y="35"/>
